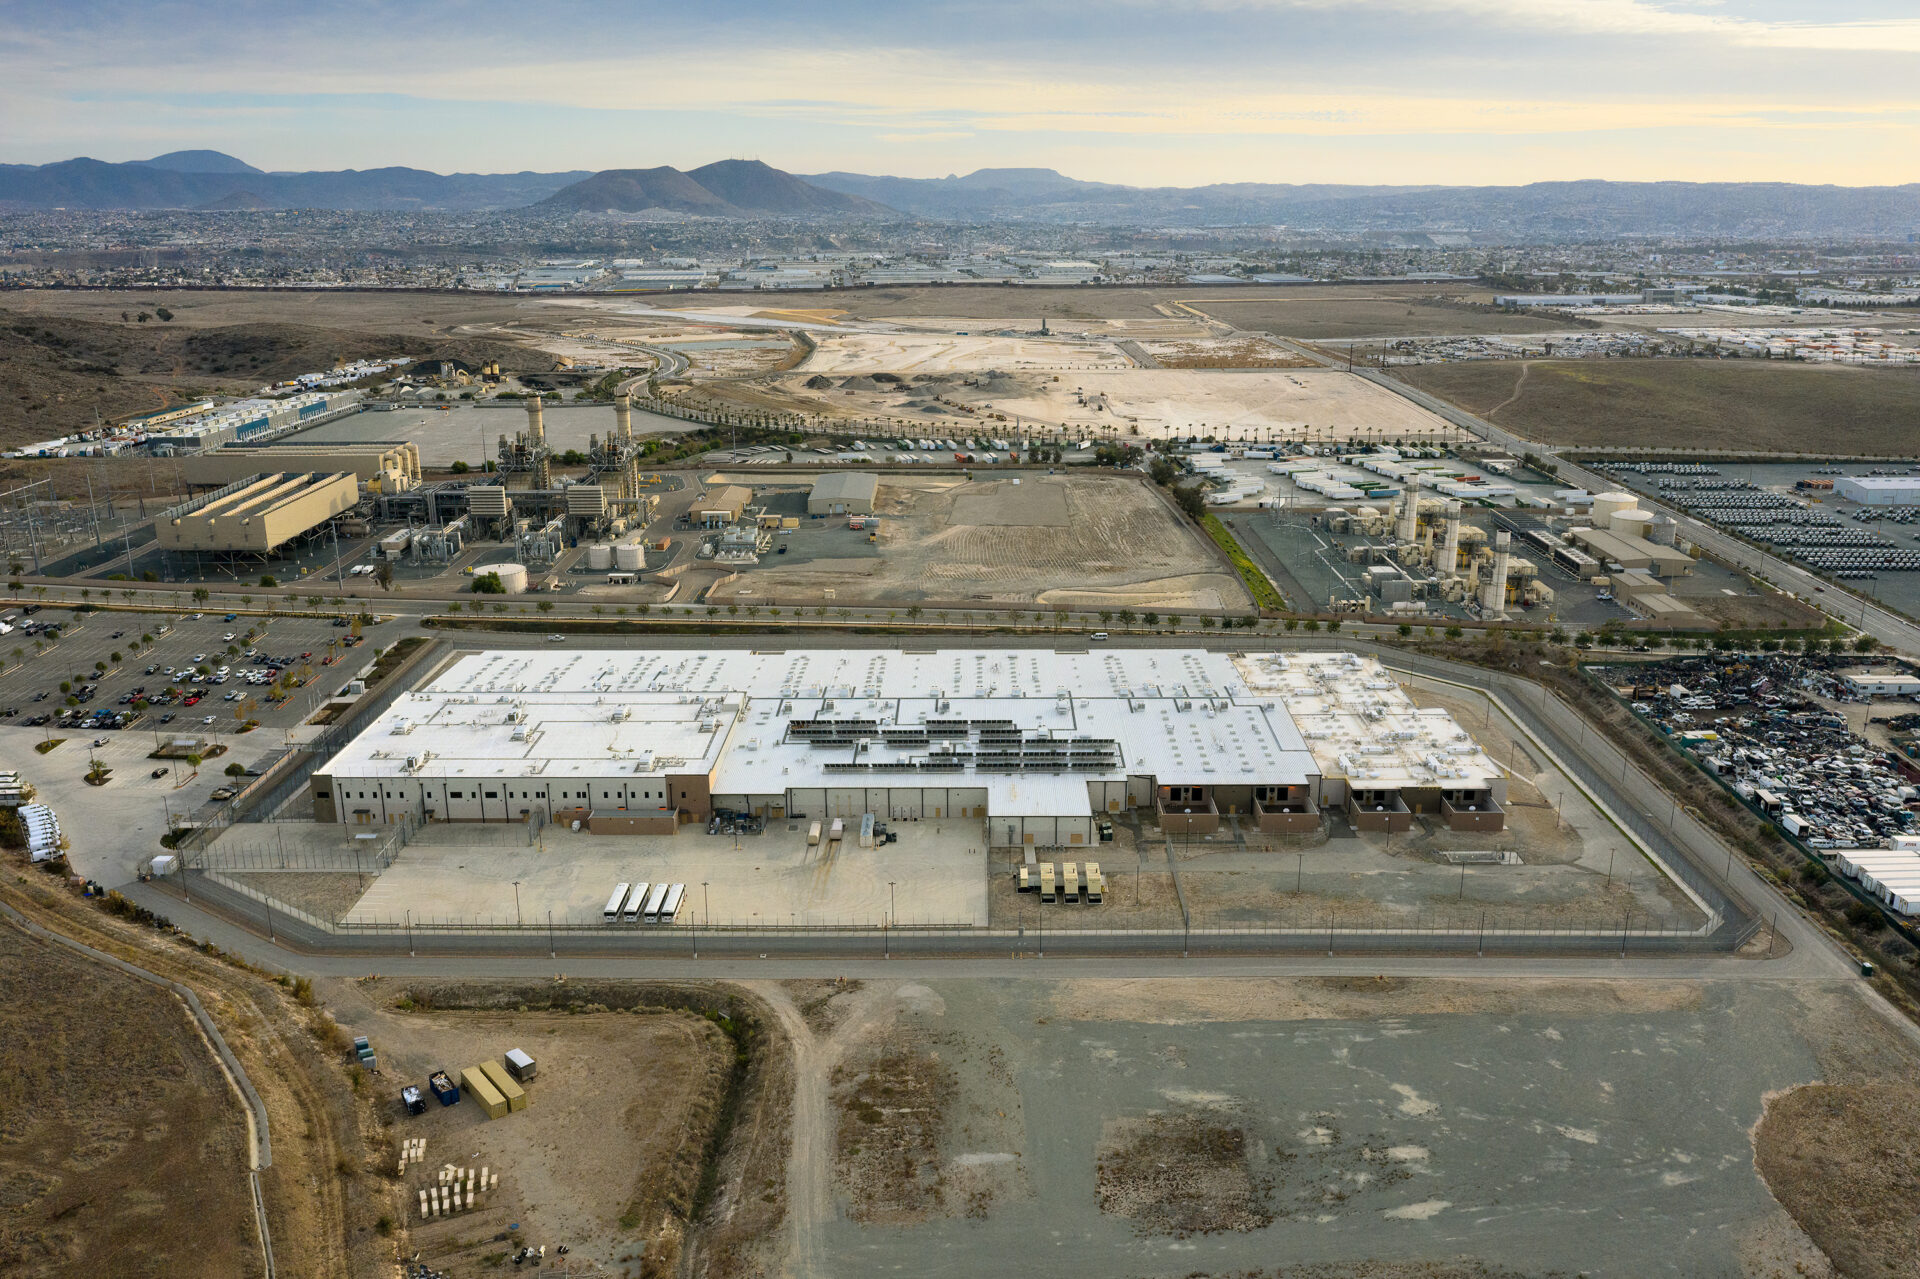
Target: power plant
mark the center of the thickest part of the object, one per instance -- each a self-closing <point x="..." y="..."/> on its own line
<point x="1433" y="555"/>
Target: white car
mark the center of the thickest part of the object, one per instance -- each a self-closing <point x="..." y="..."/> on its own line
<point x="207" y="720"/>
<point x="227" y="638"/>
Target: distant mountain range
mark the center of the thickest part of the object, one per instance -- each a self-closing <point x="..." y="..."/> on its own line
<point x="1541" y="210"/>
<point x="728" y="188"/>
<point x="211" y="180"/>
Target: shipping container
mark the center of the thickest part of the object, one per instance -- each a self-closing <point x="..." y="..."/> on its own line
<point x="813" y="834"/>
<point x="521" y="1066"/>
<point x="474" y="1080"/>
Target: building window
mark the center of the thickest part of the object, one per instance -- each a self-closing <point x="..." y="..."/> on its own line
<point x="493" y="794"/>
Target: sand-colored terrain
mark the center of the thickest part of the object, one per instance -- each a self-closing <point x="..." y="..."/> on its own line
<point x="1049" y="541"/>
<point x="947" y="352"/>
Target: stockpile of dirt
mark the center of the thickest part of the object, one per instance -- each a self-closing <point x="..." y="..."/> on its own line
<point x="892" y="1108"/>
<point x="1180" y="1173"/>
<point x="1842" y="1160"/>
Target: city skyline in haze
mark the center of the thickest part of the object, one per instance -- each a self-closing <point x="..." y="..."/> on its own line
<point x="1140" y="92"/>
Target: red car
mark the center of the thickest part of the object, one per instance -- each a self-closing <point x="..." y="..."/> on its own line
<point x="193" y="701"/>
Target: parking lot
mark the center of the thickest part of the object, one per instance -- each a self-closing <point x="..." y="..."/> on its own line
<point x="161" y="672"/>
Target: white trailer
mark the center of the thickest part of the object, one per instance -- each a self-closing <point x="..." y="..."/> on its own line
<point x="612" y="911"/>
<point x="635" y="900"/>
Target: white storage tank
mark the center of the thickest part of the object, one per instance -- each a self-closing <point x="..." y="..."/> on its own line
<point x="1630" y="523"/>
<point x="599" y="555"/>
<point x="1605" y="504"/>
<point x="512" y="576"/>
<point x="629" y="557"/>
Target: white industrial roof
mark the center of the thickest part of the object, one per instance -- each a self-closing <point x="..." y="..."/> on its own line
<point x="1183" y="716"/>
<point x="1361" y="725"/>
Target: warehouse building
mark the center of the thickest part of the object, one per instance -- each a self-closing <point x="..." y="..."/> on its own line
<point x="1878" y="490"/>
<point x="1035" y="746"/>
<point x="387" y="466"/>
<point x="257" y="515"/>
<point x="1633" y="552"/>
<point x="843" y="493"/>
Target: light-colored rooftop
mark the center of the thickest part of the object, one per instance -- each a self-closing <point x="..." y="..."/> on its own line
<point x="1361" y="726"/>
<point x="1180" y="715"/>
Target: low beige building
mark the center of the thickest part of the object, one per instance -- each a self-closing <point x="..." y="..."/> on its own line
<point x="392" y="464"/>
<point x="722" y="505"/>
<point x="259" y="516"/>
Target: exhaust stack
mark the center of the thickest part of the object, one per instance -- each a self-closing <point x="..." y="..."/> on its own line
<point x="1450" y="548"/>
<point x="1494" y="600"/>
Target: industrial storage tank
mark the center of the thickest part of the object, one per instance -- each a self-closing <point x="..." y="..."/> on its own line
<point x="629" y="557"/>
<point x="512" y="576"/>
<point x="1605" y="504"/>
<point x="599" y="555"/>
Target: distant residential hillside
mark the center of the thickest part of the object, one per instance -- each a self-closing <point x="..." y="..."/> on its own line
<point x="728" y="188"/>
<point x="1539" y="211"/>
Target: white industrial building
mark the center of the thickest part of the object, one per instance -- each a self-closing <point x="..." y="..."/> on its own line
<point x="1036" y="746"/>
<point x="1879" y="490"/>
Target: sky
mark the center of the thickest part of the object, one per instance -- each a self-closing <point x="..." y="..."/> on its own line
<point x="1142" y="92"/>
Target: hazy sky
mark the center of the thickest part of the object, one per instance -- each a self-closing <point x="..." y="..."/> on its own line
<point x="1136" y="91"/>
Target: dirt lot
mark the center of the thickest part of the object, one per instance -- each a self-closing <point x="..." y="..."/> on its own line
<point x="1769" y="611"/>
<point x="1341" y="318"/>
<point x="123" y="1150"/>
<point x="1277" y="404"/>
<point x="1758" y="405"/>
<point x="886" y="1151"/>
<point x="325" y="895"/>
<point x="1841" y="1159"/>
<point x="1839" y="1154"/>
<point x="614" y="1154"/>
<point x="1180" y="1173"/>
<point x="841" y="354"/>
<point x="998" y="301"/>
<point x="322" y="1204"/>
<point x="1224" y="353"/>
<point x="608" y="1153"/>
<point x="1065" y="541"/>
